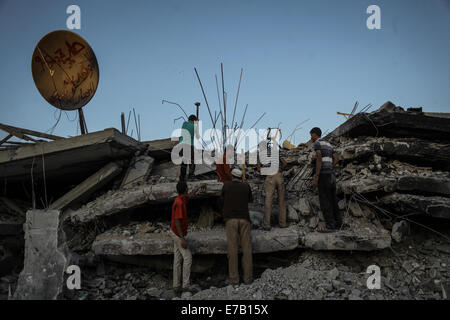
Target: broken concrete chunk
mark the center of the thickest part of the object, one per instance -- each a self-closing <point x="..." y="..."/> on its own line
<point x="399" y="230"/>
<point x="121" y="200"/>
<point x="355" y="209"/>
<point x="203" y="168"/>
<point x="391" y="121"/>
<point x="367" y="212"/>
<point x="367" y="185"/>
<point x="444" y="248"/>
<point x="302" y="206"/>
<point x="46" y="258"/>
<point x="161" y="148"/>
<point x="342" y="204"/>
<point x="256" y="218"/>
<point x="206" y="218"/>
<point x="376" y="159"/>
<point x="292" y="214"/>
<point x="91" y="184"/>
<point x="138" y="171"/>
<point x="408" y="203"/>
<point x="432" y="185"/>
<point x="166" y="169"/>
<point x="313" y="222"/>
<point x="363" y="239"/>
<point x="333" y="274"/>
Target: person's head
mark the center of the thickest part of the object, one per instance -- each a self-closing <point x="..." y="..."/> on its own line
<point x="236" y="174"/>
<point x="316" y="133"/>
<point x="182" y="187"/>
<point x="192" y="118"/>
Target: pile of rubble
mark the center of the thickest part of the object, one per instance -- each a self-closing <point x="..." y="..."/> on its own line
<point x="117" y="193"/>
<point x="414" y="269"/>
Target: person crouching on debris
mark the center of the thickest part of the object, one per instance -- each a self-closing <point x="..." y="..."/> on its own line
<point x="324" y="178"/>
<point x="179" y="225"/>
<point x="269" y="161"/>
<point x="236" y="195"/>
<point x="188" y="130"/>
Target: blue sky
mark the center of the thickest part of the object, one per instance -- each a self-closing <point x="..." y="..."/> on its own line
<point x="301" y="60"/>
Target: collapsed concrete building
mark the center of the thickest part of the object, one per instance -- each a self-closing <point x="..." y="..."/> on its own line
<point x="104" y="196"/>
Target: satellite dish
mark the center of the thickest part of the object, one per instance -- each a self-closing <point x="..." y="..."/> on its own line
<point x="65" y="70"/>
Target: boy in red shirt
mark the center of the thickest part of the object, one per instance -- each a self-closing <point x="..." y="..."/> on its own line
<point x="179" y="224"/>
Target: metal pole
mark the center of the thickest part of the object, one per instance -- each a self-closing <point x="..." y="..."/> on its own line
<point x="218" y="96"/>
<point x="122" y="121"/>
<point x="204" y="95"/>
<point x="83" y="128"/>
<point x="237" y="97"/>
<point x="223" y="93"/>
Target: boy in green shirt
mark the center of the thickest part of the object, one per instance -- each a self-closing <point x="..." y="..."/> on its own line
<point x="188" y="138"/>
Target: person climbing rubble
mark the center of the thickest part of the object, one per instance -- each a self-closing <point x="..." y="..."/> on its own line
<point x="236" y="195"/>
<point x="189" y="130"/>
<point x="271" y="164"/>
<point x="325" y="160"/>
<point x="182" y="255"/>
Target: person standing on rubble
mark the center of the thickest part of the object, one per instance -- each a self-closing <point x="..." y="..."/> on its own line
<point x="236" y="195"/>
<point x="325" y="179"/>
<point x="188" y="131"/>
<point x="179" y="225"/>
<point x="271" y="164"/>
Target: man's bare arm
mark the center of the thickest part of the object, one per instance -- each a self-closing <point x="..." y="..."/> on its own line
<point x="194" y="192"/>
<point x="318" y="162"/>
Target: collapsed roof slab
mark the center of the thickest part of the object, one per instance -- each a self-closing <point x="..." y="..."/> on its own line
<point x="356" y="239"/>
<point x="438" y="207"/>
<point x="392" y="121"/>
<point x="214" y="241"/>
<point x="124" y="199"/>
<point x="88" y="186"/>
<point x="435" y="185"/>
<point x="160" y="149"/>
<point x="367" y="185"/>
<point x="68" y="157"/>
<point x="200" y="242"/>
<point x="410" y="149"/>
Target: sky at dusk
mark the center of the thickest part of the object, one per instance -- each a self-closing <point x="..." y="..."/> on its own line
<point x="301" y="60"/>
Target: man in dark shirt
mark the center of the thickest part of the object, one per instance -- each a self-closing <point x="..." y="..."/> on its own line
<point x="326" y="159"/>
<point x="236" y="195"/>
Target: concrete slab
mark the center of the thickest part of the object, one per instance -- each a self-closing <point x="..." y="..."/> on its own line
<point x="392" y="121"/>
<point x="68" y="157"/>
<point x="138" y="171"/>
<point x="200" y="242"/>
<point x="438" y="207"/>
<point x="91" y="184"/>
<point x="166" y="169"/>
<point x="122" y="200"/>
<point x="160" y="149"/>
<point x="356" y="239"/>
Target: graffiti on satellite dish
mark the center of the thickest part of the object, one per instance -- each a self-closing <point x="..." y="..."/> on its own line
<point x="65" y="70"/>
